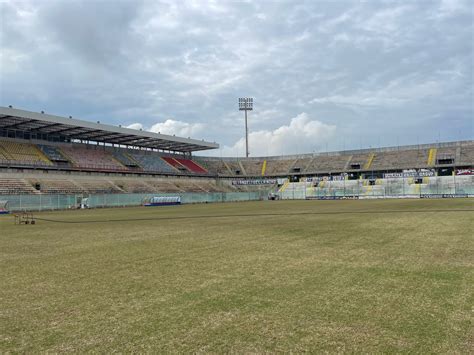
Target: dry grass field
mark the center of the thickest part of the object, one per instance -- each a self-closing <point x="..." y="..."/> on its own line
<point x="281" y="276"/>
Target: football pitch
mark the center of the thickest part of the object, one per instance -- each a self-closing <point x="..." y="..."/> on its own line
<point x="269" y="276"/>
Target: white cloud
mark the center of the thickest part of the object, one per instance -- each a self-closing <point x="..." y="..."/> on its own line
<point x="179" y="128"/>
<point x="355" y="62"/>
<point x="302" y="135"/>
<point x="135" y="126"/>
<point x="172" y="127"/>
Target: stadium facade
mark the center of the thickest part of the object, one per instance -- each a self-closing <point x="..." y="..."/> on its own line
<point x="52" y="162"/>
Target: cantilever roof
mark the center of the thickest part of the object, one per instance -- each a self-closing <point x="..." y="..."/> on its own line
<point x="14" y="119"/>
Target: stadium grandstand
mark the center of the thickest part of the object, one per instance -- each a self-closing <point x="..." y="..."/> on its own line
<point x="45" y="155"/>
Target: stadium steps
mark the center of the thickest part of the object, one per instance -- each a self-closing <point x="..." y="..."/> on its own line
<point x="369" y="161"/>
<point x="65" y="155"/>
<point x="133" y="186"/>
<point x="368" y="190"/>
<point x="175" y="164"/>
<point x="125" y="159"/>
<point x="252" y="167"/>
<point x="458" y="154"/>
<point x="417" y="189"/>
<point x="41" y="155"/>
<point x="164" y="186"/>
<point x="191" y="165"/>
<point x="77" y="185"/>
<point x="264" y="167"/>
<point x="4" y="155"/>
<point x="23" y="152"/>
<point x="296" y="163"/>
<point x="10" y="186"/>
<point x="309" y="164"/>
<point x="242" y="168"/>
<point x="97" y="186"/>
<point x="56" y="186"/>
<point x="348" y="162"/>
<point x="53" y="154"/>
<point x="116" y="186"/>
<point x="284" y="186"/>
<point x="432" y="157"/>
<point x="227" y="167"/>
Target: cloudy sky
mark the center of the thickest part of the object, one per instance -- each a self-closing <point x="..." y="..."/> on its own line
<point x="323" y="74"/>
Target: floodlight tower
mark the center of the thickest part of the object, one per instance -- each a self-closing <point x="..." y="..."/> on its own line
<point x="246" y="104"/>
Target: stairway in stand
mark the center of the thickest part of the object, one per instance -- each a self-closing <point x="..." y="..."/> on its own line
<point x="10" y="186"/>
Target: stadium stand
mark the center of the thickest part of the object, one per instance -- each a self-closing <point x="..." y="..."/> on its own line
<point x="164" y="185"/>
<point x="359" y="161"/>
<point x="53" y="154"/>
<point x="133" y="185"/>
<point x="467" y="155"/>
<point x="9" y="186"/>
<point x="278" y="166"/>
<point x="391" y="187"/>
<point x="215" y="166"/>
<point x="125" y="159"/>
<point x="56" y="186"/>
<point x="152" y="162"/>
<point x="327" y="163"/>
<point x="399" y="159"/>
<point x="57" y="160"/>
<point x="191" y="165"/>
<point x="92" y="158"/>
<point x="252" y="167"/>
<point x="445" y="155"/>
<point x="175" y="164"/>
<point x="98" y="186"/>
<point x="234" y="167"/>
<point x="23" y="152"/>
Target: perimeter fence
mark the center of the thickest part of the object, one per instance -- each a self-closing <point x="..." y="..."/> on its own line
<point x="44" y="202"/>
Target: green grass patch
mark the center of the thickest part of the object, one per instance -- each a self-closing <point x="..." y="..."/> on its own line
<point x="300" y="280"/>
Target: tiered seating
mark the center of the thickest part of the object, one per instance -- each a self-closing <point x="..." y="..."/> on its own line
<point x="9" y="186"/>
<point x="163" y="185"/>
<point x="52" y="153"/>
<point x="133" y="185"/>
<point x="234" y="167"/>
<point x="300" y="163"/>
<point x="414" y="158"/>
<point x="279" y="166"/>
<point x="4" y="154"/>
<point x="215" y="166"/>
<point x="94" y="158"/>
<point x="125" y="159"/>
<point x="467" y="155"/>
<point x="176" y="164"/>
<point x="188" y="185"/>
<point x="327" y="163"/>
<point x="446" y="153"/>
<point x="252" y="166"/>
<point x="57" y="186"/>
<point x="98" y="186"/>
<point x="209" y="186"/>
<point x="362" y="160"/>
<point x="191" y="165"/>
<point x="400" y="159"/>
<point x="153" y="162"/>
<point x="22" y="152"/>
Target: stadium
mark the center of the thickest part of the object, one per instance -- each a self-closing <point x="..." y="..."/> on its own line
<point x="51" y="162"/>
<point x="243" y="177"/>
<point x="248" y="246"/>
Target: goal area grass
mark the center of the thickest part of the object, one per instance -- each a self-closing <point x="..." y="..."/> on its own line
<point x="267" y="276"/>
